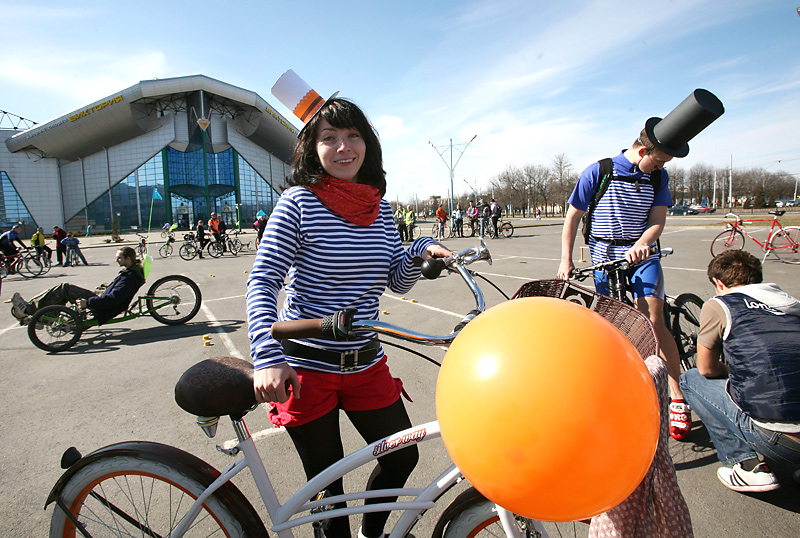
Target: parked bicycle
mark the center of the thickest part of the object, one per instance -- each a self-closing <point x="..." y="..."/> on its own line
<point x="232" y="243"/>
<point x="150" y="489"/>
<point x="784" y="243"/>
<point x="141" y="248"/>
<point x="190" y="247"/>
<point x="166" y="249"/>
<point x="681" y="313"/>
<point x="414" y="231"/>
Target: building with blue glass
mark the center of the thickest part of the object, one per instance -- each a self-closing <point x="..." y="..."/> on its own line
<point x="162" y="151"/>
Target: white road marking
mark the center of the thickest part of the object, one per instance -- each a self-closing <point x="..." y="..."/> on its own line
<point x="222" y="334"/>
<point x="230" y="443"/>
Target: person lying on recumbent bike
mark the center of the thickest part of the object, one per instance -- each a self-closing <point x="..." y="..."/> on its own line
<point x="104" y="302"/>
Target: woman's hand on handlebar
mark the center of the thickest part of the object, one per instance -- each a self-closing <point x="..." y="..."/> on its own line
<point x="271" y="384"/>
<point x="436" y="250"/>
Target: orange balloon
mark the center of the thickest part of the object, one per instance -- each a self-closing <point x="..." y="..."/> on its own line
<point x="548" y="409"/>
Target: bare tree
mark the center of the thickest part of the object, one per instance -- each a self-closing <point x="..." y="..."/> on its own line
<point x="563" y="181"/>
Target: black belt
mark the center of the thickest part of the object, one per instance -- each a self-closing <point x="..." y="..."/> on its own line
<point x="616" y="242"/>
<point x="779" y="438"/>
<point x="347" y="361"/>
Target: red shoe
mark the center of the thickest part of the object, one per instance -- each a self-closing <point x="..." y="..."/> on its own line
<point x="680" y="420"/>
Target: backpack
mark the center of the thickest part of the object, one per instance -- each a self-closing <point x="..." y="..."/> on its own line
<point x="606" y="177"/>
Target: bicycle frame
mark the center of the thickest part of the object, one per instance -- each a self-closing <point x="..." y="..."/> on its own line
<point x="774" y="228"/>
<point x="423" y="498"/>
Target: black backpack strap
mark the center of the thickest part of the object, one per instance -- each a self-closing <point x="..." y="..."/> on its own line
<point x="606" y="173"/>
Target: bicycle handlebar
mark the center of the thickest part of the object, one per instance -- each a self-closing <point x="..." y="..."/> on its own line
<point x="313" y="328"/>
<point x="611" y="265"/>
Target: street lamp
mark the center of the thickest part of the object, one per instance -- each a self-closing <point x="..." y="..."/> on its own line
<point x="451" y="166"/>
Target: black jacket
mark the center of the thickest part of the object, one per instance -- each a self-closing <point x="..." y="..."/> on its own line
<point x="118" y="295"/>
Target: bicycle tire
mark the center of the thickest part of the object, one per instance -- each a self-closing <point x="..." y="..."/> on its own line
<point x="187" y="251"/>
<point x="685" y="327"/>
<point x="468" y="226"/>
<point x="214" y="249"/>
<point x="55" y="328"/>
<point x="480" y="520"/>
<point x="152" y="494"/>
<point x="415" y="232"/>
<point x="165" y="251"/>
<point x="237" y="245"/>
<point x="30" y="267"/>
<point x="786" y="245"/>
<point x="184" y="299"/>
<point x="506" y="229"/>
<point x="731" y="239"/>
<point x="230" y="248"/>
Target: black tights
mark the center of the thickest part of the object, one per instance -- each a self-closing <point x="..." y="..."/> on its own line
<point x="319" y="444"/>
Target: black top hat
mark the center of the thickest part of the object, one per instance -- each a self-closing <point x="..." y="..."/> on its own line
<point x="672" y="134"/>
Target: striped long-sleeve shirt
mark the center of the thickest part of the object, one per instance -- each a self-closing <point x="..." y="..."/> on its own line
<point x="328" y="264"/>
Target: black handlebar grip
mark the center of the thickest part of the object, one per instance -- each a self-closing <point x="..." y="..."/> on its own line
<point x="432" y="268"/>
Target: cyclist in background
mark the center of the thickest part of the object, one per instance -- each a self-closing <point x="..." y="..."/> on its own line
<point x="38" y="242"/>
<point x="214" y="227"/>
<point x="629" y="218"/>
<point x="410" y="219"/>
<point x="72" y="245"/>
<point x="472" y="213"/>
<point x="316" y="237"/>
<point x="400" y="221"/>
<point x="8" y="238"/>
<point x="750" y="403"/>
<point x="441" y="217"/>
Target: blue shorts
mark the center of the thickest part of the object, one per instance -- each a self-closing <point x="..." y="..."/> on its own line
<point x="643" y="280"/>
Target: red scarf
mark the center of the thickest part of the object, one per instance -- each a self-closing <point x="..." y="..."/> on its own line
<point x="357" y="203"/>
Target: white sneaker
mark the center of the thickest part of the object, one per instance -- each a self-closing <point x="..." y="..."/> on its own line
<point x="21" y="307"/>
<point x="757" y="480"/>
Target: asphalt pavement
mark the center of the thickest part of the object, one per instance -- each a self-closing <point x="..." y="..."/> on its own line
<point x="117" y="383"/>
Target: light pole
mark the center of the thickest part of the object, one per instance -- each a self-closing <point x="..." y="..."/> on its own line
<point x="451" y="166"/>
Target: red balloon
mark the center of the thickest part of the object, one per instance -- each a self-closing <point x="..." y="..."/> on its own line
<point x="548" y="409"/>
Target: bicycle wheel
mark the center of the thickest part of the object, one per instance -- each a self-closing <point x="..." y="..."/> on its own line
<point x="230" y="248"/>
<point x="415" y="232"/>
<point x="187" y="251"/>
<point x="214" y="249"/>
<point x="469" y="230"/>
<point x="786" y="245"/>
<point x="174" y="299"/>
<point x="30" y="266"/>
<point x="730" y="239"/>
<point x="236" y="245"/>
<point x="506" y="229"/>
<point x="55" y="328"/>
<point x="129" y="495"/>
<point x="685" y="327"/>
<point x="166" y="250"/>
<point x="481" y="520"/>
<point x="141" y="251"/>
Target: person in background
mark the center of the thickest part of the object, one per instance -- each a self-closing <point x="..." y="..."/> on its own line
<point x="400" y="222"/>
<point x="458" y="221"/>
<point x="72" y="243"/>
<point x="472" y="213"/>
<point x="38" y="242"/>
<point x="750" y="404"/>
<point x="202" y="240"/>
<point x="261" y="223"/>
<point x="497" y="212"/>
<point x="441" y="216"/>
<point x="316" y="238"/>
<point x="410" y="219"/>
<point x="61" y="249"/>
<point x="7" y="240"/>
<point x="104" y="302"/>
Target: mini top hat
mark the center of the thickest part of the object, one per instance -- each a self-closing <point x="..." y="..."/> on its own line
<point x="298" y="96"/>
<point x="672" y="134"/>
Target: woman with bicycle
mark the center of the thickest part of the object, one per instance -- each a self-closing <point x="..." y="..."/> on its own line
<point x="335" y="238"/>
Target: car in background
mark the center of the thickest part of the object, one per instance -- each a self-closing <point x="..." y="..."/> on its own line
<point x="787" y="203"/>
<point x="682" y="210"/>
<point x="703" y="209"/>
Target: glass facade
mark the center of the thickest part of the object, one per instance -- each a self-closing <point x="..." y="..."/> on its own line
<point x="13" y="210"/>
<point x="191" y="185"/>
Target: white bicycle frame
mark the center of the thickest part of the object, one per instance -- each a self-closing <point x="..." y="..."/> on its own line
<point x="281" y="514"/>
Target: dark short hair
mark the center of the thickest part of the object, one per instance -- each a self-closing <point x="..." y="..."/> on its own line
<point x="341" y="114"/>
<point x="129" y="253"/>
<point x="735" y="268"/>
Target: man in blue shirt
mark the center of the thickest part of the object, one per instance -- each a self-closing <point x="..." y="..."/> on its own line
<point x="7" y="241"/>
<point x="629" y="218"/>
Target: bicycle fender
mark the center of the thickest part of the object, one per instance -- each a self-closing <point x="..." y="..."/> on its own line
<point x="189" y="464"/>
<point x="463" y="501"/>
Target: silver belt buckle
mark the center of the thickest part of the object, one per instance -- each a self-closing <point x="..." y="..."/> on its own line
<point x="342" y="356"/>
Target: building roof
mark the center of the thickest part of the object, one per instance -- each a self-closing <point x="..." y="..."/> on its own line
<point x="134" y="111"/>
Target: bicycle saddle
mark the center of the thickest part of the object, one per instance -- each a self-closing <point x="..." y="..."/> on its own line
<point x="217" y="387"/>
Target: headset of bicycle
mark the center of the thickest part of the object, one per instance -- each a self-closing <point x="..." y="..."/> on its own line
<point x="335" y="195"/>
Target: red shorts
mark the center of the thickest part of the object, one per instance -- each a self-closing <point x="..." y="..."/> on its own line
<point x="322" y="392"/>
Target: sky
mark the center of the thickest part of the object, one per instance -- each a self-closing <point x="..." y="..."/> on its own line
<point x="528" y="79"/>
